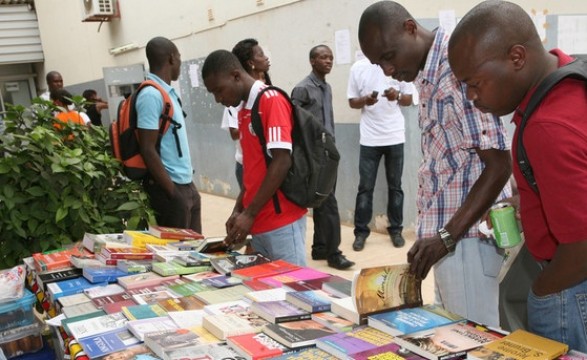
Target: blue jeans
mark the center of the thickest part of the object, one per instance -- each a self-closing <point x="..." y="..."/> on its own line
<point x="561" y="316"/>
<point x="368" y="165"/>
<point x="287" y="243"/>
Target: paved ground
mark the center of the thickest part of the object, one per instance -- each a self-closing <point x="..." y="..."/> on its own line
<point x="378" y="249"/>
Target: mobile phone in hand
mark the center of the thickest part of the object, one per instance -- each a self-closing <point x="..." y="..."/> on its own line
<point x="374" y="93"/>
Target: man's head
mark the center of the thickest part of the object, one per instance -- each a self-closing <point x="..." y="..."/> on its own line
<point x="390" y="37"/>
<point x="225" y="78"/>
<point x="90" y="95"/>
<point x="54" y="80"/>
<point x="321" y="60"/>
<point x="495" y="51"/>
<point x="61" y="97"/>
<point x="164" y="58"/>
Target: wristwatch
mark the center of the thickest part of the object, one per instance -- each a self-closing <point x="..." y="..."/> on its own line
<point x="399" y="96"/>
<point x="447" y="239"/>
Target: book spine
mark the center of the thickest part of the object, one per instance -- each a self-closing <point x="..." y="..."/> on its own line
<point x="282" y="319"/>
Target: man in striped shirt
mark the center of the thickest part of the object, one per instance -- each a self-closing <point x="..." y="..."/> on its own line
<point x="465" y="166"/>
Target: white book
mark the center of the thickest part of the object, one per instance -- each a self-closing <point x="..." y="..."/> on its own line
<point x="97" y="325"/>
<point x="267" y="295"/>
<point x="153" y="297"/>
<point x="74" y="299"/>
<point x="223" y="326"/>
<point x="144" y="326"/>
<point x="345" y="308"/>
<point x="79" y="309"/>
<point x="108" y="290"/>
<point x="229" y="307"/>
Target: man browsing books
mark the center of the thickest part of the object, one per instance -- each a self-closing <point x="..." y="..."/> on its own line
<point x="278" y="231"/>
<point x="498" y="53"/>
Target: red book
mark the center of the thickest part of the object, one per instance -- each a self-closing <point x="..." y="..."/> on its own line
<point x="58" y="259"/>
<point x="165" y="232"/>
<point x="295" y="275"/>
<point x="132" y="253"/>
<point x="269" y="269"/>
<point x="256" y="346"/>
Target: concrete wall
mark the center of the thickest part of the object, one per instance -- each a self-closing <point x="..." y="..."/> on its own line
<point x="286" y="29"/>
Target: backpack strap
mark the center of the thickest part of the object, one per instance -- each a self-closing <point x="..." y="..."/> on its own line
<point x="576" y="69"/>
<point x="259" y="131"/>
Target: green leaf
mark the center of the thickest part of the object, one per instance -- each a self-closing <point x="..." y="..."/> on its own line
<point x="128" y="206"/>
<point x="35" y="191"/>
<point x="60" y="214"/>
<point x="4" y="168"/>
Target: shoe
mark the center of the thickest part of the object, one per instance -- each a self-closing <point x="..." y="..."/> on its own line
<point x="397" y="240"/>
<point x="359" y="242"/>
<point x="340" y="262"/>
<point x="318" y="255"/>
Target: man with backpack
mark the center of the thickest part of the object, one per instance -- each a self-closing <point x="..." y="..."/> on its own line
<point x="498" y="53"/>
<point x="172" y="193"/>
<point x="277" y="224"/>
<point x="314" y="94"/>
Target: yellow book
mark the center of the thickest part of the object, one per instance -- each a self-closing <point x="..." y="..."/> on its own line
<point x="140" y="239"/>
<point x="520" y="345"/>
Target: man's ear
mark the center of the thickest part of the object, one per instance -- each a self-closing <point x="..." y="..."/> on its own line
<point x="517" y="56"/>
<point x="410" y="26"/>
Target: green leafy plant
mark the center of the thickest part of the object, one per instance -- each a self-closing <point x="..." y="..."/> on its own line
<point x="55" y="185"/>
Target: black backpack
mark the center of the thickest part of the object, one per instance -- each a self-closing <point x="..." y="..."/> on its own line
<point x="312" y="175"/>
<point x="576" y="69"/>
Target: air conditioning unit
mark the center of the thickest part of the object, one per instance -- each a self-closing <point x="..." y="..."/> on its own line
<point x="98" y="9"/>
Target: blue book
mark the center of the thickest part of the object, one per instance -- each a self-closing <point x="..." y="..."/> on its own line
<point x="103" y="274"/>
<point x="69" y="287"/>
<point x="406" y="321"/>
<point x="222" y="281"/>
<point x="108" y="343"/>
<point x="310" y="300"/>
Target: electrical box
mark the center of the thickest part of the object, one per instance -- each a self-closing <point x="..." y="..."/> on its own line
<point x="97" y="10"/>
<point x="120" y="82"/>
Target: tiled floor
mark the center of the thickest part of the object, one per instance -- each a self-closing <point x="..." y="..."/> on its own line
<point x="378" y="249"/>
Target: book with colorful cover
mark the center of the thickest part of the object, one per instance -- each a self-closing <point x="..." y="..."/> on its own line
<point x="131" y="267"/>
<point x="190" y="258"/>
<point x="451" y="341"/>
<point x="202" y="352"/>
<point x="280" y="311"/>
<point x="97" y="325"/>
<point x="152" y="298"/>
<point x="222" y="295"/>
<point x="128" y="253"/>
<point x="163" y="286"/>
<point x="295" y="275"/>
<point x="173" y="233"/>
<point x="133" y="352"/>
<point x="223" y="326"/>
<point x="310" y="300"/>
<point x="104" y="261"/>
<point x="122" y="299"/>
<point x="314" y="284"/>
<point x="69" y="287"/>
<point x="142" y="280"/>
<point x="520" y="345"/>
<point x="163" y="341"/>
<point x="256" y="285"/>
<point x="256" y="346"/>
<point x="272" y="294"/>
<point x="222" y="281"/>
<point x="230" y="263"/>
<point x="187" y="288"/>
<point x="409" y="320"/>
<point x="172" y="268"/>
<point x="345" y="345"/>
<point x="297" y="334"/>
<point x="311" y="353"/>
<point x="197" y="277"/>
<point x="155" y="324"/>
<point x="333" y="321"/>
<point x="229" y="307"/>
<point x="83" y="261"/>
<point x="99" y="345"/>
<point x="143" y="311"/>
<point x="264" y="270"/>
<point x="51" y="276"/>
<point x="181" y="304"/>
<point x="102" y="274"/>
<point x="390" y="351"/>
<point x="57" y="259"/>
<point x="140" y="239"/>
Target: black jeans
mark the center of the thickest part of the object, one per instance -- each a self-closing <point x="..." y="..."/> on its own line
<point x="182" y="210"/>
<point x="327" y="228"/>
<point x="370" y="157"/>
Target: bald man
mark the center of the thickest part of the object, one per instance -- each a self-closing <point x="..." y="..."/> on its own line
<point x="466" y="163"/>
<point x="54" y="82"/>
<point x="172" y="193"/>
<point x="497" y="52"/>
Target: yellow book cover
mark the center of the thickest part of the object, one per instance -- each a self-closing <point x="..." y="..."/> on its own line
<point x="140" y="239"/>
<point x="385" y="287"/>
<point x="520" y="345"/>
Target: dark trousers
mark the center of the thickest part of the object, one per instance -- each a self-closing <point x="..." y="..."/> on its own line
<point x="368" y="165"/>
<point x="183" y="210"/>
<point x="327" y="228"/>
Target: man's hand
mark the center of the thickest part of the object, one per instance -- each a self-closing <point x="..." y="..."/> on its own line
<point x="237" y="228"/>
<point x="425" y="253"/>
<point x="391" y="94"/>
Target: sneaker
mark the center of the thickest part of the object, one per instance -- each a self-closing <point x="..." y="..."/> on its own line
<point x="359" y="242"/>
<point x="397" y="240"/>
<point x="340" y="262"/>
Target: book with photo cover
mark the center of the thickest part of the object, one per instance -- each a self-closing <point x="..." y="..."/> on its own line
<point x="226" y="265"/>
<point x="99" y="345"/>
<point x="164" y="341"/>
<point x="345" y="345"/>
<point x="181" y="304"/>
<point x="451" y="341"/>
<point x="213" y="245"/>
<point x="280" y="311"/>
<point x="409" y="320"/>
<point x="310" y="300"/>
<point x="191" y="258"/>
<point x="297" y="334"/>
<point x="103" y="274"/>
<point x="152" y="298"/>
<point x="263" y="270"/>
<point x="520" y="345"/>
<point x="256" y="346"/>
<point x="333" y="321"/>
<point x="172" y="233"/>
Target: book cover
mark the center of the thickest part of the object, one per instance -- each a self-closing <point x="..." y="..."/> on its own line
<point x="450" y="341"/>
<point x="152" y="298"/>
<point x="162" y="341"/>
<point x="104" y="261"/>
<point x="340" y="288"/>
<point x="95" y="242"/>
<point x="297" y="334"/>
<point x="314" y="284"/>
<point x="103" y="344"/>
<point x="181" y="304"/>
<point x="223" y="326"/>
<point x="272" y="294"/>
<point x="573" y="355"/>
<point x="173" y="268"/>
<point x="263" y="270"/>
<point x="345" y="308"/>
<point x="187" y="288"/>
<point x="166" y="249"/>
<point x="222" y="295"/>
<point x="133" y="352"/>
<point x="97" y="325"/>
<point x="140" y="239"/>
<point x="333" y="321"/>
<point x="345" y="345"/>
<point x="391" y="351"/>
<point x="189" y="245"/>
<point x="141" y="280"/>
<point x="65" y="322"/>
<point x="409" y="320"/>
<point x="48" y="277"/>
<point x="222" y="281"/>
<point x="311" y="353"/>
<point x="56" y="259"/>
<point x="191" y="259"/>
<point x="256" y="346"/>
<point x="256" y="285"/>
<point x="203" y="352"/>
<point x="193" y="321"/>
<point x="200" y="276"/>
<point x="74" y="299"/>
<point x="310" y="300"/>
<point x="83" y="261"/>
<point x="230" y="263"/>
<point x="144" y="326"/>
<point x="143" y="311"/>
<point x="213" y="245"/>
<point x="113" y="299"/>
<point x="173" y="233"/>
<point x="228" y="307"/>
<point x="79" y="309"/>
<point x="163" y="286"/>
<point x="102" y="274"/>
<point x="385" y="288"/>
<point x="520" y="345"/>
<point x="68" y="287"/>
<point x="295" y="275"/>
<point x="279" y="311"/>
<point x="130" y="253"/>
<point x="101" y="291"/>
<point x="131" y="267"/>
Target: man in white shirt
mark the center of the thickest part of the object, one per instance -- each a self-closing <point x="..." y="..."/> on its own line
<point x="54" y="82"/>
<point x="382" y="135"/>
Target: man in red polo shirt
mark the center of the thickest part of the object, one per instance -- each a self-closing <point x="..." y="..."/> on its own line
<point x="497" y="52"/>
<point x="277" y="235"/>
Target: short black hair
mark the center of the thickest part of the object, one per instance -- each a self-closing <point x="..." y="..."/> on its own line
<point x="62" y="96"/>
<point x="314" y="50"/>
<point x="382" y="14"/>
<point x="220" y="61"/>
<point x="158" y="50"/>
<point x="87" y="94"/>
